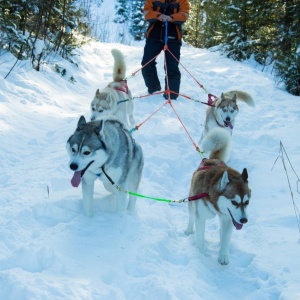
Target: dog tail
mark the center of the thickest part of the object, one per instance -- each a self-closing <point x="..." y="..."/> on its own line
<point x="243" y="96"/>
<point x="217" y="142"/>
<point x="119" y="71"/>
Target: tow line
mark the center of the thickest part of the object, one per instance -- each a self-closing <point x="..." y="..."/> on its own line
<point x="183" y="200"/>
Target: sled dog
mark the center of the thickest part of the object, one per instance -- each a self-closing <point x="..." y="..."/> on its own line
<point x="219" y="123"/>
<point x="105" y="144"/>
<point x="107" y="100"/>
<point x="227" y="195"/>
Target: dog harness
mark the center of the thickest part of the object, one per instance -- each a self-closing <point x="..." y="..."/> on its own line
<point x="124" y="87"/>
<point x="201" y="168"/>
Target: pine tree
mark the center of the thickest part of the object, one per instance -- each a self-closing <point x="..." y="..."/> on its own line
<point x="214" y="16"/>
<point x="138" y="23"/>
<point x="236" y="29"/>
<point x="193" y="28"/>
<point x="287" y="63"/>
<point x="12" y="32"/>
<point x="35" y="28"/>
<point x="121" y="11"/>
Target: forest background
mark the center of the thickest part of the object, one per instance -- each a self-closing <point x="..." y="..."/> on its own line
<point x="266" y="31"/>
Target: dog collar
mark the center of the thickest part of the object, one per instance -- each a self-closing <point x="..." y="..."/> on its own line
<point x="225" y="124"/>
<point x="198" y="196"/>
<point x="84" y="170"/>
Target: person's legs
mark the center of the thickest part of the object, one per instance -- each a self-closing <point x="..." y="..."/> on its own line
<point x="149" y="72"/>
<point x="173" y="71"/>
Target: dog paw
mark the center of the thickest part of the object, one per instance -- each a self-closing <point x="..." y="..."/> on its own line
<point x="88" y="213"/>
<point x="188" y="232"/>
<point x="223" y="259"/>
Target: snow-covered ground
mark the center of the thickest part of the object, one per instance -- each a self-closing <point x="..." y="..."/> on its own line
<point x="50" y="250"/>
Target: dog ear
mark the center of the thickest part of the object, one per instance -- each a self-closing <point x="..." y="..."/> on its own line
<point x="110" y="99"/>
<point x="222" y="96"/>
<point x="97" y="93"/>
<point x="101" y="130"/>
<point x="101" y="134"/>
<point x="100" y="127"/>
<point x="81" y="123"/>
<point x="224" y="181"/>
<point x="234" y="97"/>
<point x="245" y="175"/>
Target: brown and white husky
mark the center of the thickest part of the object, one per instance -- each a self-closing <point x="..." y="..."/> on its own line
<point x="219" y="123"/>
<point x="227" y="195"/>
<point x="108" y="101"/>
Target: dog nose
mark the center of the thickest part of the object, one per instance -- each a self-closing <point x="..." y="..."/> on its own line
<point x="73" y="166"/>
<point x="227" y="119"/>
<point x="243" y="220"/>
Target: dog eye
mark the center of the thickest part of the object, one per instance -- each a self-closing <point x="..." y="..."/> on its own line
<point x="247" y="202"/>
<point x="73" y="150"/>
<point x="100" y="110"/>
<point x="224" y="109"/>
<point x="234" y="203"/>
<point x="93" y="109"/>
<point x="86" y="152"/>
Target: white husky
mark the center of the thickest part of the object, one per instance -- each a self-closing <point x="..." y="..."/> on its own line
<point x="108" y="101"/>
<point x="219" y="123"/>
<point x="225" y="192"/>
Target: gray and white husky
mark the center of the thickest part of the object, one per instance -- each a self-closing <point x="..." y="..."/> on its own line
<point x="105" y="144"/>
<point x="227" y="195"/>
<point x="107" y="100"/>
<point x="219" y="123"/>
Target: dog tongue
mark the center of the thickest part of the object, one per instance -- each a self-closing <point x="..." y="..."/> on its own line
<point x="75" y="181"/>
<point x="237" y="225"/>
<point x="228" y="124"/>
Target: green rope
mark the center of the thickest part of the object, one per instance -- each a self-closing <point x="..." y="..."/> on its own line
<point x="140" y="195"/>
<point x="156" y="199"/>
<point x="201" y="153"/>
<point x="148" y="197"/>
<point x="205" y="89"/>
<point x="125" y="100"/>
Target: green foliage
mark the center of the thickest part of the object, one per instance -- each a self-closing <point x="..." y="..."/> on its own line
<point x="288" y="71"/>
<point x="72" y="80"/>
<point x="122" y="9"/>
<point x="60" y="70"/>
<point x="57" y="68"/>
<point x="138" y="23"/>
<point x="267" y="30"/>
<point x="193" y="28"/>
<point x="33" y="29"/>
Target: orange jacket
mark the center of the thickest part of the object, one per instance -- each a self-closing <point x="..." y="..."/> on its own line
<point x="178" y="10"/>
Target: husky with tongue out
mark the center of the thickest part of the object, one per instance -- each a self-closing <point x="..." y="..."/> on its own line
<point x="226" y="194"/>
<point x="105" y="149"/>
<point x="219" y="123"/>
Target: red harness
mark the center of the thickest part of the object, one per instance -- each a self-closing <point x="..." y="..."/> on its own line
<point x="202" y="167"/>
<point x="124" y="87"/>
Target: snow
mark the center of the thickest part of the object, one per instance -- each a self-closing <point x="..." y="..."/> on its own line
<point x="50" y="250"/>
